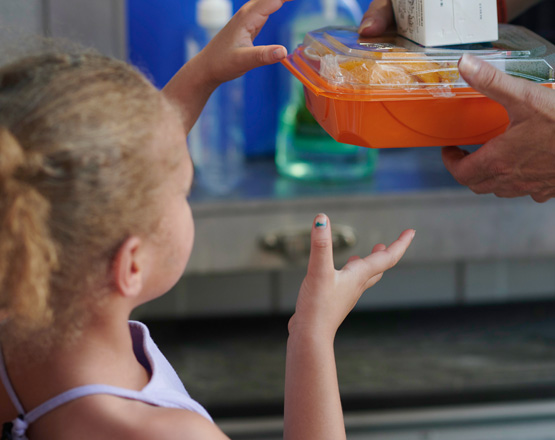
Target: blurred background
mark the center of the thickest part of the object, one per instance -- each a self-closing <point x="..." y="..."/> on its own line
<point x="456" y="342"/>
<point x="160" y="50"/>
<point x="151" y="35"/>
<point x="156" y="43"/>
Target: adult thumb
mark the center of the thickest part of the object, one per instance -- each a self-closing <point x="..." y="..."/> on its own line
<point x="493" y="83"/>
<point x="321" y="246"/>
<point x="377" y="18"/>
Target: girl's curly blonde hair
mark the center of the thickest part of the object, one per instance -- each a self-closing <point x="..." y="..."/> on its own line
<point x="76" y="179"/>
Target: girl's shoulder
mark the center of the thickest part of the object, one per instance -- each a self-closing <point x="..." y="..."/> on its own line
<point x="104" y="416"/>
<point x="170" y="424"/>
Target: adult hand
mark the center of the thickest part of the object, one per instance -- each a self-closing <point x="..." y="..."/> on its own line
<point x="377" y="19"/>
<point x="328" y="295"/>
<point x="520" y="161"/>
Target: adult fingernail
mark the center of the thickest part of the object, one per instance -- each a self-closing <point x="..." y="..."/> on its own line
<point x="469" y="64"/>
<point x="369" y="22"/>
<point x="321" y="221"/>
<point x="280" y="53"/>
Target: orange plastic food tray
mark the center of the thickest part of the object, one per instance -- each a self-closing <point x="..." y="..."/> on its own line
<point x="381" y="119"/>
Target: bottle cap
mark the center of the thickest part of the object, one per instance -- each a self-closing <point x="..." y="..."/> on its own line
<point x="330" y="10"/>
<point x="214" y="14"/>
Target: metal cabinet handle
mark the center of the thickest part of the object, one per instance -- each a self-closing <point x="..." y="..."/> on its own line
<point x="295" y="243"/>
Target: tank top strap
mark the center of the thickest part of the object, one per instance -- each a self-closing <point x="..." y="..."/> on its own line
<point x="84" y="391"/>
<point x="20" y="424"/>
<point x="8" y="385"/>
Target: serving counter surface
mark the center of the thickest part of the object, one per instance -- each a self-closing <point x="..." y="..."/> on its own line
<point x="410" y="189"/>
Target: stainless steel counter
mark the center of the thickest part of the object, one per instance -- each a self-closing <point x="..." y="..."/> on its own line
<point x="411" y="189"/>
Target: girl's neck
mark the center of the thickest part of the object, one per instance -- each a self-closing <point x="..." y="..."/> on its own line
<point x="104" y="355"/>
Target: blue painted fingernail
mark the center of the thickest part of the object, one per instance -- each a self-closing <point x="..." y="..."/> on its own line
<point x="321" y="221"/>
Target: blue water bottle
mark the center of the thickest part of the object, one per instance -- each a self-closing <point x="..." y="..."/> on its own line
<point x="217" y="141"/>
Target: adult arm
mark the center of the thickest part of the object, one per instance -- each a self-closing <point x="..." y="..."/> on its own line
<point x="520" y="161"/>
<point x="517" y="7"/>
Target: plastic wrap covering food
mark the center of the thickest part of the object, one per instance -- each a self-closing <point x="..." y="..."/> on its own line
<point x="410" y="72"/>
<point x="342" y="58"/>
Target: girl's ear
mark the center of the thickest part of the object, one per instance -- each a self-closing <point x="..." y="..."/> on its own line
<point x="127" y="269"/>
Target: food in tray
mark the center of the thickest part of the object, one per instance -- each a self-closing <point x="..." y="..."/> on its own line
<point x="408" y="72"/>
<point x="389" y="92"/>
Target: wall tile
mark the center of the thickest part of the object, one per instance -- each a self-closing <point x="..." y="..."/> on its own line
<point x="18" y="18"/>
<point x="412" y="285"/>
<point x="509" y="280"/>
<point x="402" y="286"/>
<point x="171" y="305"/>
<point x="233" y="294"/>
<point x="212" y="295"/>
<point x="288" y="286"/>
<point x="98" y="24"/>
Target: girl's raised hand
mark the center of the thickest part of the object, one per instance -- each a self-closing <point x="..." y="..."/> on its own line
<point x="328" y="295"/>
<point x="231" y="53"/>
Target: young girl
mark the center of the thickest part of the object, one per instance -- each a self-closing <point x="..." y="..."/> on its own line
<point x="94" y="221"/>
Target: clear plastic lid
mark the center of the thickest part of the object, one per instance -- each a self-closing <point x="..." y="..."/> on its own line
<point x="350" y="64"/>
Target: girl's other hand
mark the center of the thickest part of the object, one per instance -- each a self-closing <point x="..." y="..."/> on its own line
<point x="328" y="295"/>
<point x="231" y="53"/>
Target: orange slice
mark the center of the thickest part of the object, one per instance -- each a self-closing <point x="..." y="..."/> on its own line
<point x="409" y="72"/>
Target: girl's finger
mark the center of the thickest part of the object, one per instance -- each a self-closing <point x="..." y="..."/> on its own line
<point x="382" y="260"/>
<point x="321" y="250"/>
<point x="264" y="7"/>
<point x="257" y="56"/>
<point x="373" y="280"/>
<point x="379" y="247"/>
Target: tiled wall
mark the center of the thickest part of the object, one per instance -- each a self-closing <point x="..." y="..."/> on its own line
<point x="414" y="285"/>
<point x="23" y="15"/>
<point x="98" y="24"/>
<point x="509" y="280"/>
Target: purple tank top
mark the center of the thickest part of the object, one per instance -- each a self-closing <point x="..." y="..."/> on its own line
<point x="164" y="389"/>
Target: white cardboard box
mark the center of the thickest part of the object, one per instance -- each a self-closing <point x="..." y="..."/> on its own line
<point x="444" y="22"/>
